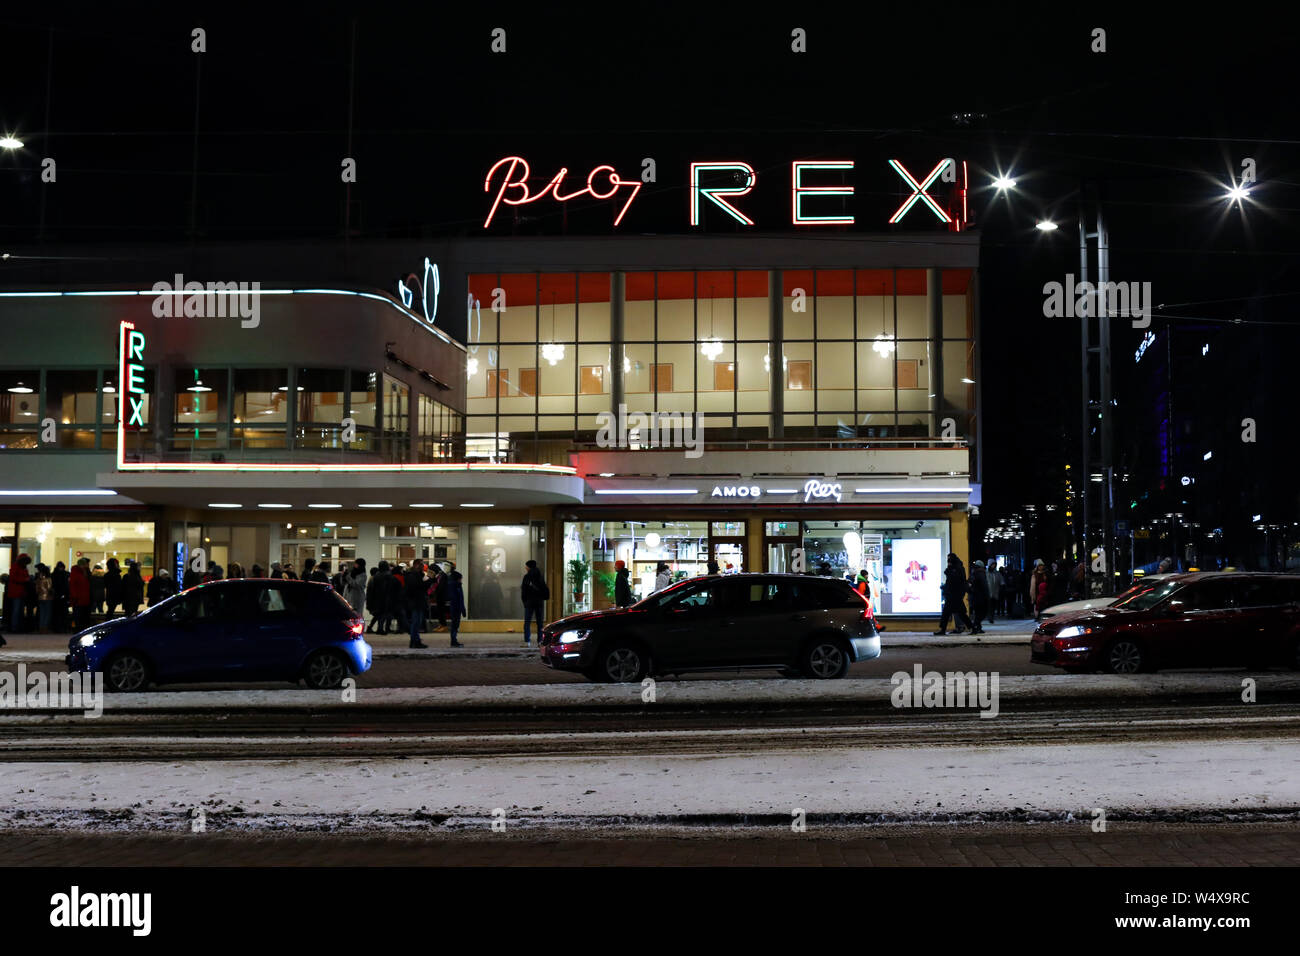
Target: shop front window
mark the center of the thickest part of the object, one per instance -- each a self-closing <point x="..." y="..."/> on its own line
<point x="685" y="546"/>
<point x="904" y="558"/>
<point x="49" y="542"/>
<point x="496" y="560"/>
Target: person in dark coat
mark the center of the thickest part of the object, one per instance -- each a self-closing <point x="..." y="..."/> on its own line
<point x="438" y="595"/>
<point x="132" y="589"/>
<point x="954" y="597"/>
<point x="161" y="586"/>
<point x="97" y="589"/>
<point x="622" y="587"/>
<point x="60" y="577"/>
<point x="455" y="598"/>
<point x="415" y="593"/>
<point x="533" y="592"/>
<point x="112" y="586"/>
<point x="376" y="599"/>
<point x="979" y="596"/>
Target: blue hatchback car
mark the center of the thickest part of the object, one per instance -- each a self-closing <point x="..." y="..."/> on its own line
<point x="243" y="629"/>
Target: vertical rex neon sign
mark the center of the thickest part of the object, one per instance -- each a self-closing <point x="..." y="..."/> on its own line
<point x="131" y="344"/>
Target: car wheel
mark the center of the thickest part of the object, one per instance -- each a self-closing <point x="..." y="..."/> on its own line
<point x="126" y="673"/>
<point x="1125" y="657"/>
<point x="325" y="671"/>
<point x="621" y="664"/>
<point x="825" y="659"/>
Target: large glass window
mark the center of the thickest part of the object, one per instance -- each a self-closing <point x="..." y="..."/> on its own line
<point x="72" y="400"/>
<point x="50" y="542"/>
<point x="860" y="356"/>
<point x="202" y="407"/>
<point x="496" y="570"/>
<point x="19" y="401"/>
<point x="439" y="431"/>
<point x="397" y="412"/>
<point x="261" y="408"/>
<point x="904" y="557"/>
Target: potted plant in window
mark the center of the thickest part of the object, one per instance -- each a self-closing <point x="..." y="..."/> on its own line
<point x="579" y="571"/>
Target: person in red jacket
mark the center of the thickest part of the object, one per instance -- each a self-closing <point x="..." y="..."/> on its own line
<point x="18" y="578"/>
<point x="79" y="592"/>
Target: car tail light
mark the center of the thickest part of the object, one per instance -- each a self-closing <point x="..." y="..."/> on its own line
<point x="357" y="626"/>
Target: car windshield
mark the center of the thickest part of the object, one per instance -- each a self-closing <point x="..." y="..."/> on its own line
<point x="1142" y="597"/>
<point x="660" y="598"/>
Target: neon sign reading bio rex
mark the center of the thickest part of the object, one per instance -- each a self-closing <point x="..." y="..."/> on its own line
<point x="720" y="184"/>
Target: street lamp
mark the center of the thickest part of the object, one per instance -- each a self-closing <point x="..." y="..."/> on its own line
<point x="9" y="141"/>
<point x="1046" y="225"/>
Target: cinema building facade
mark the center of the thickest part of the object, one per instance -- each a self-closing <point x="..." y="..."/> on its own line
<point x="764" y="402"/>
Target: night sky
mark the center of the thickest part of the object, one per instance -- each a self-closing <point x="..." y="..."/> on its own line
<point x="1158" y="124"/>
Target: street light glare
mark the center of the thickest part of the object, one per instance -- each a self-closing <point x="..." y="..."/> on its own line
<point x="1046" y="225"/>
<point x="1237" y="194"/>
<point x="11" y="142"/>
<point x="1004" y="182"/>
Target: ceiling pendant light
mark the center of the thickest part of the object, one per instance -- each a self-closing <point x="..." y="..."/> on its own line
<point x="552" y="351"/>
<point x="711" y="347"/>
<point x="884" y="342"/>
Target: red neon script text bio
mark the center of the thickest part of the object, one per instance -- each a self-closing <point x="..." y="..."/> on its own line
<point x="513" y="189"/>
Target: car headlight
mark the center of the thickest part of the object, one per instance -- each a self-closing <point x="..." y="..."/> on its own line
<point x="1074" y="630"/>
<point x="572" y="637"/>
<point x="90" y="639"/>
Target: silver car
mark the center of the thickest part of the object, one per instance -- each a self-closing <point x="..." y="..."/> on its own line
<point x="1069" y="607"/>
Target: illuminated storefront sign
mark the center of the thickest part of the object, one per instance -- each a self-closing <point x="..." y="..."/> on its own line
<point x="516" y="178"/>
<point x="736" y="491"/>
<point x="813" y="488"/>
<point x="131" y="352"/>
<point x="721" y="182"/>
<point x="821" y="489"/>
<point x="423" y="283"/>
<point x="798" y="191"/>
<point x="919" y="189"/>
<point x="714" y="193"/>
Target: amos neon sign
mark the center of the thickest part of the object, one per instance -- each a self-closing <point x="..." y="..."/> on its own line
<point x="718" y="185"/>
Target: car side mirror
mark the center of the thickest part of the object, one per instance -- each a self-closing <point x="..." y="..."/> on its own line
<point x="1174" y="609"/>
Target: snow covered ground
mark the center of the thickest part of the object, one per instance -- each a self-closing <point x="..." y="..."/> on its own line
<point x="767" y="690"/>
<point x="1038" y="781"/>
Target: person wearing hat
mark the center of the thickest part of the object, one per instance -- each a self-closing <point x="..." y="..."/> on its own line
<point x="622" y="588"/>
<point x="533" y="592"/>
<point x="663" y="577"/>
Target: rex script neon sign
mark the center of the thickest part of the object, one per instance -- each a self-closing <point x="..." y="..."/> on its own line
<point x="717" y="186"/>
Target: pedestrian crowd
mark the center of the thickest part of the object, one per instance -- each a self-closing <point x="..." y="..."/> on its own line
<point x="43" y="600"/>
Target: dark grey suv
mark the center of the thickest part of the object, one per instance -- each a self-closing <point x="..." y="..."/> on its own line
<point x="803" y="625"/>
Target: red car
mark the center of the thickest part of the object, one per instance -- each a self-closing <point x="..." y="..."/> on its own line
<point x="1203" y="619"/>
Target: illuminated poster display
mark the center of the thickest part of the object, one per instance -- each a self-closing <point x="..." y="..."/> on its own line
<point x="917" y="575"/>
